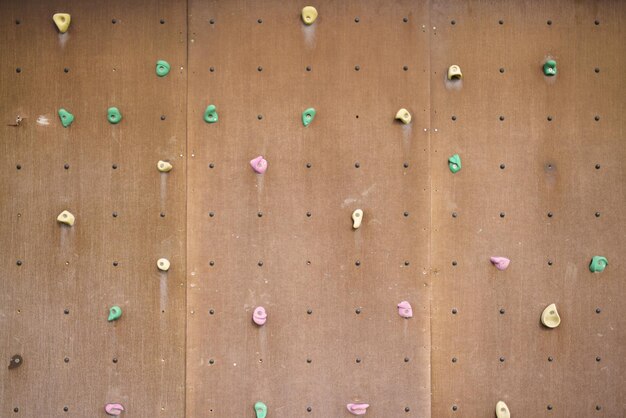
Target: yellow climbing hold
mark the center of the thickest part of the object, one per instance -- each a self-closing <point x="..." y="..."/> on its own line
<point x="309" y="14"/>
<point x="550" y="317"/>
<point x="163" y="264"/>
<point x="164" y="166"/>
<point x="62" y="21"/>
<point x="454" y="72"/>
<point x="357" y="218"/>
<point x="404" y="116"/>
<point x="66" y="218"/>
<point x="502" y="411"/>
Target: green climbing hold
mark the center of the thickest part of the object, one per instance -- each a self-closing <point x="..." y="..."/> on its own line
<point x="598" y="263"/>
<point x="454" y="163"/>
<point x="308" y="116"/>
<point x="210" y="114"/>
<point x="114" y="313"/>
<point x="162" y="68"/>
<point x="549" y="68"/>
<point x="66" y="118"/>
<point x="261" y="409"/>
<point x="113" y="115"/>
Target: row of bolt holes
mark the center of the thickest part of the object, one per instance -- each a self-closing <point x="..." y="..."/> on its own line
<point x="356" y="20"/>
<point x="310" y="409"/>
<point x="307" y="68"/>
<point x="309" y="165"/>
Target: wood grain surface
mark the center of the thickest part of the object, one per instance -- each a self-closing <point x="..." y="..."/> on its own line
<point x="542" y="183"/>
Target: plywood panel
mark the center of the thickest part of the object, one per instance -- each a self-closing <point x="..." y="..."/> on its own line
<point x="250" y="60"/>
<point x="54" y="306"/>
<point x="541" y="183"/>
<point x="529" y="190"/>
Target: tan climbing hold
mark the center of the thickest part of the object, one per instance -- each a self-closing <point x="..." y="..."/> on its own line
<point x="66" y="218"/>
<point x="404" y="116"/>
<point x="357" y="217"/>
<point x="309" y="14"/>
<point x="550" y="317"/>
<point x="164" y="166"/>
<point x="163" y="264"/>
<point x="62" y="20"/>
<point x="454" y="72"/>
<point x="502" y="411"/>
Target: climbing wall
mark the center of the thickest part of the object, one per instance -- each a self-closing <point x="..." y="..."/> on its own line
<point x="542" y="183"/>
<point x="284" y="240"/>
<point x="58" y="282"/>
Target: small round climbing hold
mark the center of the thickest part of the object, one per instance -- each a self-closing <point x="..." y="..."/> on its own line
<point x="210" y="114"/>
<point x="309" y="14"/>
<point x="308" y="115"/>
<point x="16" y="361"/>
<point x="113" y="115"/>
<point x="163" y="264"/>
<point x="454" y="163"/>
<point x="405" y="310"/>
<point x="598" y="264"/>
<point x="260" y="409"/>
<point x="62" y="20"/>
<point x="259" y="316"/>
<point x="115" y="312"/>
<point x="164" y="166"/>
<point x="66" y="118"/>
<point x="549" y="68"/>
<point x="259" y="164"/>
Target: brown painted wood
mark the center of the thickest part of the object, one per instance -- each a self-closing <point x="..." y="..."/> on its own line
<point x="308" y="262"/>
<point x="549" y="167"/>
<point x="186" y="345"/>
<point x="62" y="268"/>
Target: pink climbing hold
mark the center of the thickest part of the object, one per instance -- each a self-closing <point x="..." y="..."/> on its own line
<point x="405" y="310"/>
<point x="358" y="408"/>
<point x="259" y="164"/>
<point x="501" y="263"/>
<point x="114" y="409"/>
<point x="259" y="316"/>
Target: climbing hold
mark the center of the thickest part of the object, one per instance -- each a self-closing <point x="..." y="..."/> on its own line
<point x="261" y="409"/>
<point x="454" y="163"/>
<point x="259" y="164"/>
<point x="405" y="310"/>
<point x="210" y="114"/>
<point x="358" y="408"/>
<point x="454" y="73"/>
<point x="16" y="361"/>
<point x="357" y="217"/>
<point x="163" y="264"/>
<point x="501" y="263"/>
<point x="66" y="118"/>
<point x="549" y="68"/>
<point x="308" y="116"/>
<point x="259" y="316"/>
<point x="550" y="317"/>
<point x="309" y="14"/>
<point x="162" y="68"/>
<point x="502" y="411"/>
<point x="62" y="20"/>
<point x="114" y="409"/>
<point x="66" y="218"/>
<point x="114" y="313"/>
<point x="404" y="116"/>
<point x="113" y="115"/>
<point x="598" y="264"/>
<point x="164" y="166"/>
